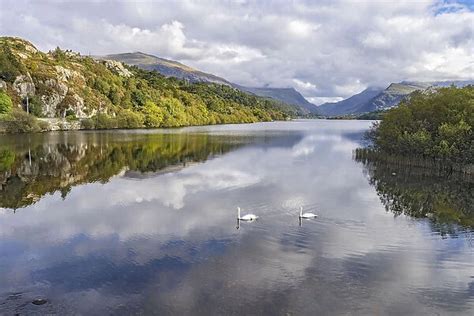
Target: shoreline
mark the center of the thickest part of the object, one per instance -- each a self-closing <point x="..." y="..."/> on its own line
<point x="65" y="125"/>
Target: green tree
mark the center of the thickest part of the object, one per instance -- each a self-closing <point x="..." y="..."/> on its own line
<point x="153" y="114"/>
<point x="434" y="125"/>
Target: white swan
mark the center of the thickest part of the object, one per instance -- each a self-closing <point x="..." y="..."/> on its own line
<point x="247" y="217"/>
<point x="307" y="214"/>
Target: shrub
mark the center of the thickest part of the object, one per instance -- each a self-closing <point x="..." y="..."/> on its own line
<point x="19" y="121"/>
<point x="10" y="67"/>
<point x="103" y="121"/>
<point x="87" y="123"/>
<point x="6" y="103"/>
<point x="44" y="126"/>
<point x="129" y="119"/>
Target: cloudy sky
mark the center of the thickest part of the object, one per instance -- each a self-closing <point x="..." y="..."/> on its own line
<point x="326" y="49"/>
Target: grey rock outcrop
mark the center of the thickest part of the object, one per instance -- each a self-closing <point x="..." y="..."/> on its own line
<point x="118" y="67"/>
<point x="52" y="100"/>
<point x="24" y="85"/>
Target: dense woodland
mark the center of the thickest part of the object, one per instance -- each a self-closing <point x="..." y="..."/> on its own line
<point x="110" y="99"/>
<point x="437" y="125"/>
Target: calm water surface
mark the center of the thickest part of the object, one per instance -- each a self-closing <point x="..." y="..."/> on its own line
<point x="144" y="222"/>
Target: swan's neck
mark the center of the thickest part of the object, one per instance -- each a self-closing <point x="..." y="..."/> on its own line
<point x="301" y="211"/>
<point x="238" y="212"/>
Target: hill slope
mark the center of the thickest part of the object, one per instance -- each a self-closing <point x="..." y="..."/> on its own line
<point x="170" y="68"/>
<point x="286" y="95"/>
<point x="63" y="83"/>
<point x="349" y="105"/>
<point x="375" y="99"/>
<point x="166" y="67"/>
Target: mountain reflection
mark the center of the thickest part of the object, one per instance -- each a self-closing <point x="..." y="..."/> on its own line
<point x="423" y="192"/>
<point x="31" y="169"/>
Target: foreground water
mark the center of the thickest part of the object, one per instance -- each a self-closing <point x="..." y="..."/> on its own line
<point x="144" y="222"/>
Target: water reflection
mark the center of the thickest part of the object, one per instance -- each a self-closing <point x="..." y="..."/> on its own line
<point x="57" y="162"/>
<point x="144" y="241"/>
<point x="446" y="199"/>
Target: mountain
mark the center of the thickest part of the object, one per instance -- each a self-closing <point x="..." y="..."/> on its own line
<point x="391" y="96"/>
<point x="108" y="94"/>
<point x="349" y="105"/>
<point x="170" y="68"/>
<point x="376" y="99"/>
<point x="286" y="95"/>
<point x="166" y="67"/>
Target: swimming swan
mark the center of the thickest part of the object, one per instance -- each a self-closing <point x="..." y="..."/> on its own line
<point x="307" y="214"/>
<point x="247" y="217"/>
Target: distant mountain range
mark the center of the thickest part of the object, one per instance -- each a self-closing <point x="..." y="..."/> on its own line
<point x="286" y="95"/>
<point x="349" y="105"/>
<point x="378" y="99"/>
<point x="170" y="68"/>
<point x="370" y="100"/>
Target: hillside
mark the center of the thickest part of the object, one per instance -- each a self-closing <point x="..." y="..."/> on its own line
<point x="171" y="68"/>
<point x="286" y="95"/>
<point x="107" y="94"/>
<point x="349" y="105"/>
<point x="391" y="96"/>
<point x="166" y="67"/>
<point x="375" y="99"/>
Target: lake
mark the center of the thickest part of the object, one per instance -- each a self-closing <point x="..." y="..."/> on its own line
<point x="144" y="222"/>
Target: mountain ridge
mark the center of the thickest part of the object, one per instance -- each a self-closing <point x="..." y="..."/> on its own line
<point x="171" y="68"/>
<point x="387" y="98"/>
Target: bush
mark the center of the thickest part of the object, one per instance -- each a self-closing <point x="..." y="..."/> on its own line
<point x="129" y="119"/>
<point x="44" y="126"/>
<point x="103" y="121"/>
<point x="6" y="103"/>
<point x="19" y="121"/>
<point x="10" y="67"/>
<point x="35" y="106"/>
<point x="87" y="123"/>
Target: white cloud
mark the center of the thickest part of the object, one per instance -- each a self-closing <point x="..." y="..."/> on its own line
<point x="321" y="100"/>
<point x="303" y="85"/>
<point x="326" y="49"/>
<point x="301" y="28"/>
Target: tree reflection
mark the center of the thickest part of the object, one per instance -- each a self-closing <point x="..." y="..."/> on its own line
<point x="445" y="198"/>
<point x="30" y="171"/>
